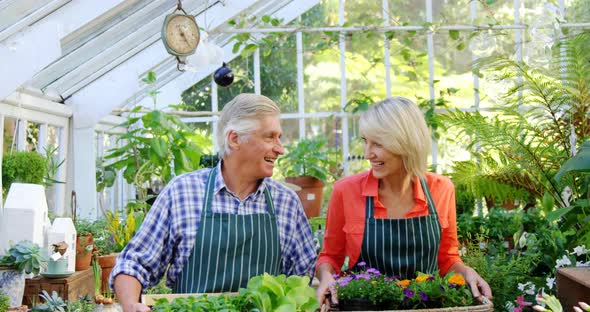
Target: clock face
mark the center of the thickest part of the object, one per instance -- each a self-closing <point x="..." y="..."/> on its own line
<point x="181" y="34"/>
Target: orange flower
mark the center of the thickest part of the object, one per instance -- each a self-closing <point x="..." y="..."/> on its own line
<point x="457" y="279"/>
<point x="403" y="283"/>
<point x="422" y="278"/>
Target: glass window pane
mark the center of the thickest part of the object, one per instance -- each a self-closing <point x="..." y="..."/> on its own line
<point x="409" y="63"/>
<point x="577" y="11"/>
<point x="278" y="72"/>
<point x="365" y="69"/>
<point x="290" y="129"/>
<point x="9" y="135"/>
<point x="451" y="12"/>
<point x="452" y="69"/>
<point x="498" y="12"/>
<point x="357" y="13"/>
<point x="324" y="13"/>
<point x="243" y="69"/>
<point x="321" y="61"/>
<point x="402" y="12"/>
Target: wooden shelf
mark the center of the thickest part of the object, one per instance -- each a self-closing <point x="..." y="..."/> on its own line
<point x="69" y="288"/>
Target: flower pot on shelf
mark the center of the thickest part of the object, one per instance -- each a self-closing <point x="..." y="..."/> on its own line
<point x="84" y="246"/>
<point x="106" y="264"/>
<point x="310" y="194"/>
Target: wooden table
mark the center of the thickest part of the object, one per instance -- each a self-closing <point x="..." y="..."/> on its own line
<point x="69" y="288"/>
<point x="573" y="285"/>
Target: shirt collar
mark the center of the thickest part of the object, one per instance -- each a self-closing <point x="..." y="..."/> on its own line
<point x="220" y="182"/>
<point x="370" y="187"/>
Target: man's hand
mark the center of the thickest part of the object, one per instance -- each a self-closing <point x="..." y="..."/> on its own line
<point x="136" y="307"/>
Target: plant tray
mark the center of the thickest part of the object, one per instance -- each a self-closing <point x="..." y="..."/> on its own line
<point x="485" y="307"/>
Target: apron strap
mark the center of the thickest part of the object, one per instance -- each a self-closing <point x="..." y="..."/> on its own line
<point x="370" y="202"/>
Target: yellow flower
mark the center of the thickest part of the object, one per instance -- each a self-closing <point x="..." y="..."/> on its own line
<point x="422" y="278"/>
<point x="374" y="282"/>
<point x="403" y="283"/>
<point x="457" y="279"/>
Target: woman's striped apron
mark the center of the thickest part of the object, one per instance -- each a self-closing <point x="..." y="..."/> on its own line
<point x="402" y="247"/>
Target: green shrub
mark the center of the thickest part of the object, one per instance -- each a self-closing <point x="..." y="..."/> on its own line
<point x="23" y="167"/>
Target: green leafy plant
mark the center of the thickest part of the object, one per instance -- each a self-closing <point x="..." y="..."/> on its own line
<point x="52" y="165"/>
<point x="263" y="293"/>
<point x="4" y="302"/>
<point x="52" y="303"/>
<point x="23" y="167"/>
<point x="157" y="145"/>
<point x="392" y="293"/>
<point x="529" y="135"/>
<point x="308" y="157"/>
<point x="24" y="256"/>
<point x="120" y="231"/>
<point x="83" y="304"/>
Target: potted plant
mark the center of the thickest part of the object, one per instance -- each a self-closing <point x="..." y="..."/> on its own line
<point x="117" y="233"/>
<point x="365" y="289"/>
<point x="84" y="243"/>
<point x="23" y="167"/>
<point x="156" y="147"/>
<point x="308" y="165"/>
<point x="25" y="257"/>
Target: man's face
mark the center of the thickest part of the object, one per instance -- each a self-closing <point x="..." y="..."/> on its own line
<point x="261" y="149"/>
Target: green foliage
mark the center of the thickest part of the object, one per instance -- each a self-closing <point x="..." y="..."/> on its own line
<point x="83" y="304"/>
<point x="53" y="303"/>
<point x="120" y="231"/>
<point x="83" y="226"/>
<point x="308" y="157"/>
<point x="503" y="271"/>
<point x="52" y="164"/>
<point x="526" y="147"/>
<point x="24" y="256"/>
<point x="263" y="293"/>
<point x="22" y="167"/>
<point x="156" y="145"/>
<point x="4" y="302"/>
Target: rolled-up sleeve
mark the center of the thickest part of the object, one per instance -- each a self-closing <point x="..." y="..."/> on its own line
<point x="333" y="251"/>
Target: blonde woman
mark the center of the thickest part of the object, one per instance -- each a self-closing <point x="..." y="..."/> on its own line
<point x="396" y="217"/>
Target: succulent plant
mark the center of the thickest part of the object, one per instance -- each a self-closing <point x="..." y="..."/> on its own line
<point x="52" y="303"/>
<point x="25" y="256"/>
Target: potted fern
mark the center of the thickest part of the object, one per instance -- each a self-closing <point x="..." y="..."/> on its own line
<point x="23" y="258"/>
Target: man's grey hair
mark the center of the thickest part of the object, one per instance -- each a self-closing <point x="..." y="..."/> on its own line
<point x="242" y="115"/>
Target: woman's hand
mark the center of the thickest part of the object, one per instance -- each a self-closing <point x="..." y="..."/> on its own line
<point x="326" y="287"/>
<point x="477" y="284"/>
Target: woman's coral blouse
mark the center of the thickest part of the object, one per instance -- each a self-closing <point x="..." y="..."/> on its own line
<point x="345" y="223"/>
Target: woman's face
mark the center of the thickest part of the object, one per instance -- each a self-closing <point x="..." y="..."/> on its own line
<point x="383" y="162"/>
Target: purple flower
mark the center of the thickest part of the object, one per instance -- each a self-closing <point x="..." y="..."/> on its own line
<point x="344" y="281"/>
<point x="365" y="276"/>
<point x="335" y="276"/>
<point x="430" y="278"/>
<point x="409" y="293"/>
<point x="373" y="271"/>
<point x="361" y="264"/>
<point x="423" y="296"/>
<point x="452" y="286"/>
<point x="441" y="287"/>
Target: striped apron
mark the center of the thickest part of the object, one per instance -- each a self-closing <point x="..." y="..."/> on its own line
<point x="230" y="248"/>
<point x="402" y="247"/>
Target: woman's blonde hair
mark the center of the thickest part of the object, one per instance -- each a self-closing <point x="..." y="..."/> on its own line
<point x="399" y="126"/>
<point x="242" y="115"/>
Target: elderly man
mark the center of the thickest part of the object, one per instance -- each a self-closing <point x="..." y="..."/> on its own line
<point x="218" y="227"/>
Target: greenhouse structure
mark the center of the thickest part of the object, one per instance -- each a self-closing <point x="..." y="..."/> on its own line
<point x="106" y="107"/>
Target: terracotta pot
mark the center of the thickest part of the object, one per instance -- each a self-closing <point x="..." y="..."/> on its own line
<point x="84" y="247"/>
<point x="106" y="264"/>
<point x="310" y="194"/>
